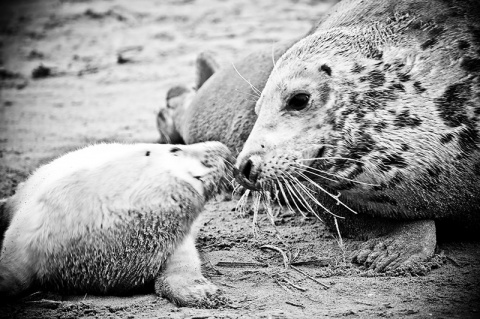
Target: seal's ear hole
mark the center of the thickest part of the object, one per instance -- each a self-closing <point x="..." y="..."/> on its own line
<point x="147" y="153"/>
<point x="298" y="102"/>
<point x="325" y="68"/>
<point x="175" y="150"/>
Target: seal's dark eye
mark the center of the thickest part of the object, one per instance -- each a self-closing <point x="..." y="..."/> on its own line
<point x="298" y="102"/>
<point x="175" y="150"/>
<point x="147" y="153"/>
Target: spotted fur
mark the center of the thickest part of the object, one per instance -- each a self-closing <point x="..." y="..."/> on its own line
<point x="399" y="99"/>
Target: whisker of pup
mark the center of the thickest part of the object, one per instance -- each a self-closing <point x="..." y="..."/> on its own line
<point x="328" y="193"/>
<point x="331" y="174"/>
<point x="249" y="83"/>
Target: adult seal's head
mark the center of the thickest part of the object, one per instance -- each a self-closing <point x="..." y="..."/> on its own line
<point x="381" y="106"/>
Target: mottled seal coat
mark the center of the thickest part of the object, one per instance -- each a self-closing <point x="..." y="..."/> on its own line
<point x="380" y="104"/>
<point x="384" y="93"/>
<point x="112" y="219"/>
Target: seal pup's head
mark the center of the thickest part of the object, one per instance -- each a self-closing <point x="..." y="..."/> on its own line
<point x="121" y="177"/>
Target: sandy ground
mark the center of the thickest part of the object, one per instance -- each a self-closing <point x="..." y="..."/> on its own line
<point x="79" y="71"/>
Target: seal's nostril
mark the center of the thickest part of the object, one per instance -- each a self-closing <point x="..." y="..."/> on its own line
<point x="247" y="169"/>
<point x="321" y="152"/>
<point x="248" y="172"/>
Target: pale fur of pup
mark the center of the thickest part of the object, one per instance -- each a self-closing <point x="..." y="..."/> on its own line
<point x="110" y="218"/>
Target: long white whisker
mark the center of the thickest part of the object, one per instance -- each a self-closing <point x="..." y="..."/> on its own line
<point x="306" y="191"/>
<point x="339" y="234"/>
<point x="322" y="144"/>
<point x="316" y="174"/>
<point x="328" y="193"/>
<point x="236" y="187"/>
<point x="298" y="185"/>
<point x="330" y="157"/>
<point x="273" y="54"/>
<point x="249" y="94"/>
<point x="242" y="202"/>
<point x="251" y="85"/>
<point x="310" y="209"/>
<point x="268" y="206"/>
<point x="256" y="208"/>
<point x="284" y="195"/>
<point x="336" y="175"/>
<point x="292" y="193"/>
<point x="274" y="70"/>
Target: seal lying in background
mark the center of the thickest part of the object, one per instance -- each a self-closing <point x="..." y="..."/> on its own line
<point x="380" y="105"/>
<point x="221" y="106"/>
<point x="111" y="219"/>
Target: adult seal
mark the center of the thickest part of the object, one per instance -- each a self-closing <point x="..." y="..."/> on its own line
<point x="377" y="110"/>
<point x="114" y="219"/>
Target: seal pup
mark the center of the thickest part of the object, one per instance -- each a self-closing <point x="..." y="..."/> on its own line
<point x="378" y="111"/>
<point x="113" y="219"/>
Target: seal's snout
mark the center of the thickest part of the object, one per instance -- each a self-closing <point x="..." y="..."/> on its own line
<point x="248" y="171"/>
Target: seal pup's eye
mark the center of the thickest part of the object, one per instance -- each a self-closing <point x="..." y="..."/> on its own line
<point x="175" y="150"/>
<point x="298" y="102"/>
<point x="147" y="153"/>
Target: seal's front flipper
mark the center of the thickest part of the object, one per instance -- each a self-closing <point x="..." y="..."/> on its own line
<point x="182" y="281"/>
<point x="207" y="65"/>
<point x="169" y="118"/>
<point x="172" y="118"/>
<point x="406" y="244"/>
